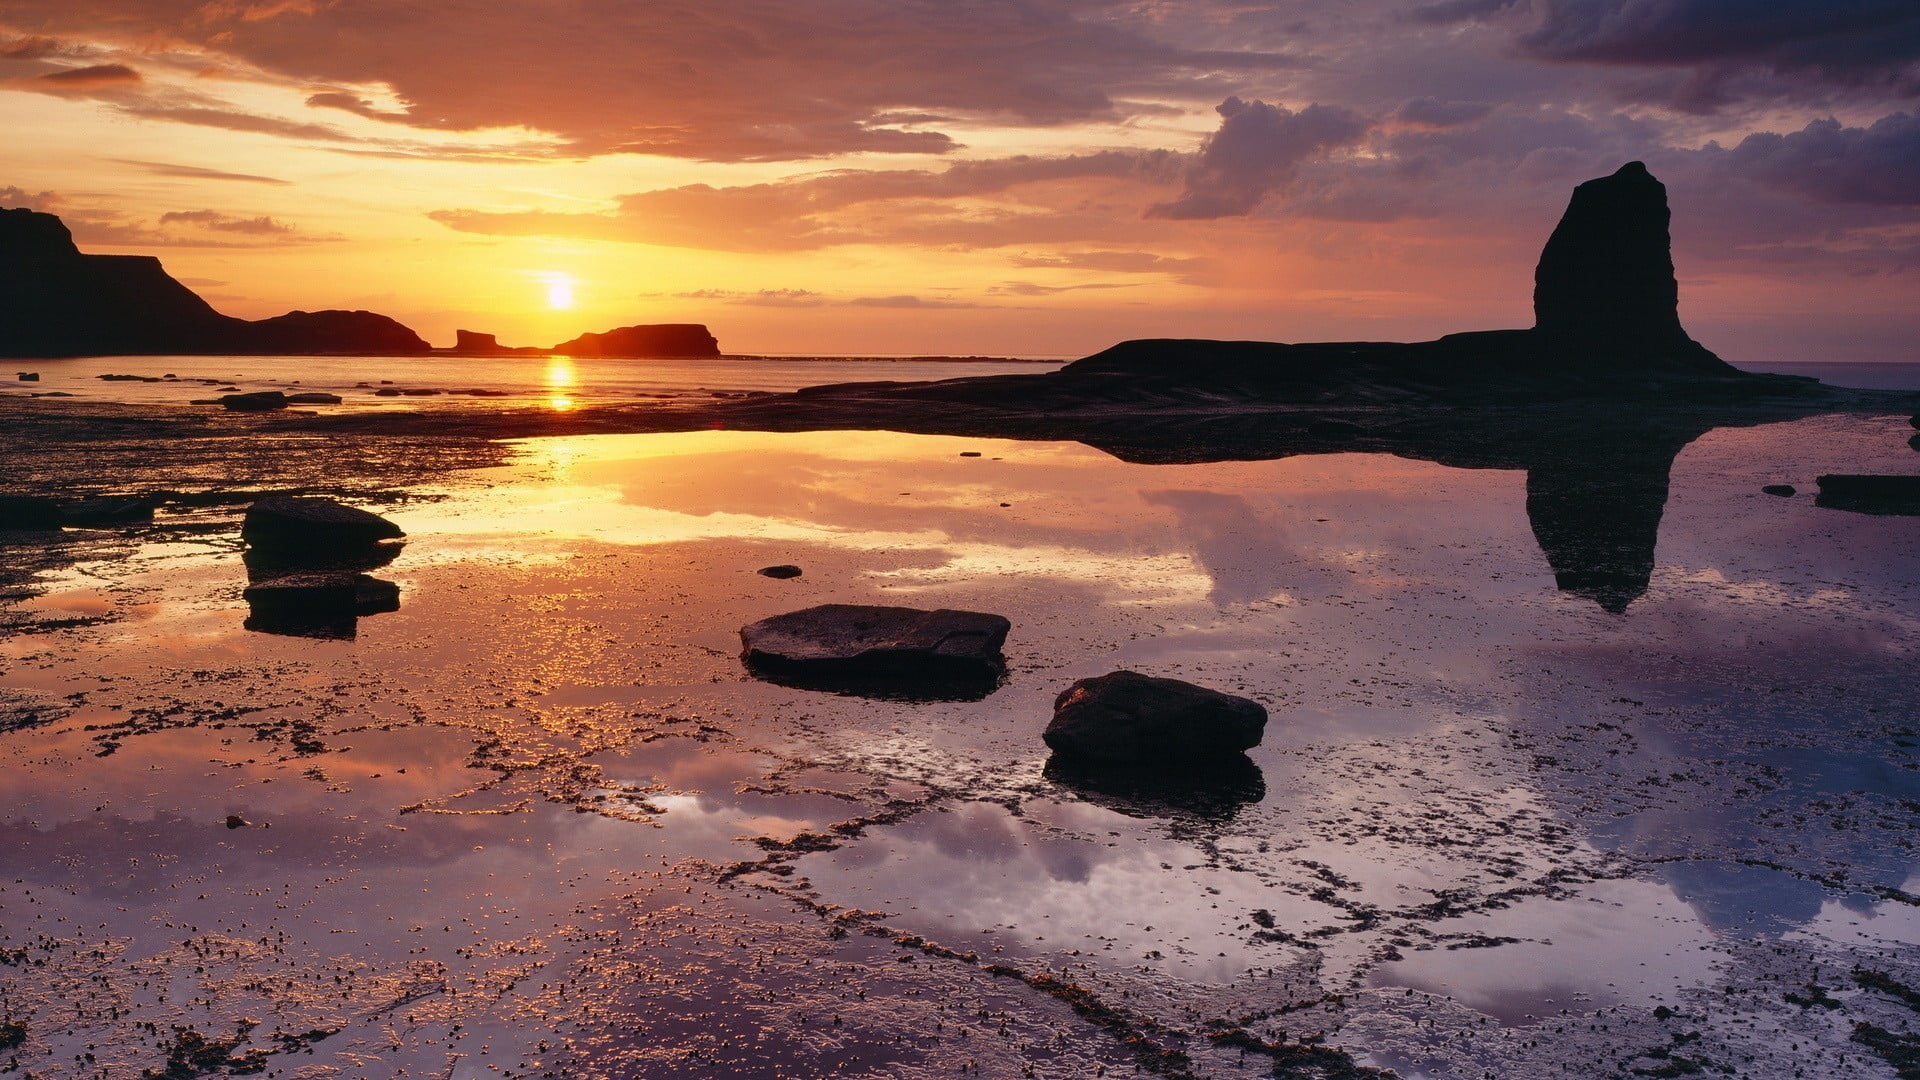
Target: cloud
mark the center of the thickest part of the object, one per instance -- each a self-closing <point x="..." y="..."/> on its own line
<point x="39" y="48"/>
<point x="1119" y="262"/>
<point x="1448" y="12"/>
<point x="82" y="80"/>
<point x="758" y="298"/>
<point x="841" y="206"/>
<point x="1029" y="288"/>
<point x="195" y="172"/>
<point x="1827" y="161"/>
<point x="1255" y="152"/>
<point x="739" y="81"/>
<point x="914" y="302"/>
<point x="1814" y="44"/>
<point x="20" y="198"/>
<point x="219" y="222"/>
<point x="1433" y="113"/>
<point x="233" y="120"/>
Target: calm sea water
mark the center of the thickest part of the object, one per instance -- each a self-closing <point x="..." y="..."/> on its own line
<point x="522" y="380"/>
<point x="563" y="382"/>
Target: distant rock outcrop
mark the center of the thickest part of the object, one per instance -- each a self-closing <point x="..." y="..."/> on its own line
<point x="474" y="343"/>
<point x="658" y="339"/>
<point x="59" y="302"/>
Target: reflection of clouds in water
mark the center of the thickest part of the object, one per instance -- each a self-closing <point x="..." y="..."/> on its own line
<point x="1249" y="555"/>
<point x="1620" y="942"/>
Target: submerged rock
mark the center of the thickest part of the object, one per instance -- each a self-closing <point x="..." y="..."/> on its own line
<point x="880" y="651"/>
<point x="313" y="525"/>
<point x="1869" y="494"/>
<point x="258" y="401"/>
<point x="1132" y="721"/>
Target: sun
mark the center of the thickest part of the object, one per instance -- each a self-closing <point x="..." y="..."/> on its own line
<point x="559" y="292"/>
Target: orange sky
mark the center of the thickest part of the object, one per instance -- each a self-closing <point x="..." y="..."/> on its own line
<point x="979" y="176"/>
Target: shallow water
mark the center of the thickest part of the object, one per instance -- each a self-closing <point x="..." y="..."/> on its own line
<point x="539" y="821"/>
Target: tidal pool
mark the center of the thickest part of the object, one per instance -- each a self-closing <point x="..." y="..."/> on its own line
<point x="540" y="822"/>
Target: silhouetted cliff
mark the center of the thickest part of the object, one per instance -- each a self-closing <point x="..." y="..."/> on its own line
<point x="55" y="301"/>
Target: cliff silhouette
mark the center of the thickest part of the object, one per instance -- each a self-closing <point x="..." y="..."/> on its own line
<point x="56" y="301"/>
<point x="59" y="302"/>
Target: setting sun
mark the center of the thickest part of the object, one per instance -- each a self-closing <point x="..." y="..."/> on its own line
<point x="559" y="291"/>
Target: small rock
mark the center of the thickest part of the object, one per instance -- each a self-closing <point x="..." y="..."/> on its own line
<point x="1782" y="490"/>
<point x="386" y="391"/>
<point x="1912" y="420"/>
<point x="313" y="398"/>
<point x="880" y="651"/>
<point x="1128" y="720"/>
<point x="785" y="570"/>
<point x="29" y="376"/>
<point x="258" y="401"/>
<point x="235" y="821"/>
<point x="311" y="525"/>
<point x="969" y="453"/>
<point x="420" y="392"/>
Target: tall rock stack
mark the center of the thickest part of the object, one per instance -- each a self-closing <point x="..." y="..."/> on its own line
<point x="1604" y="290"/>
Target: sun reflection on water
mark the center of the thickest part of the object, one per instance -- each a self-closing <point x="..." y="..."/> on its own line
<point x="561" y="378"/>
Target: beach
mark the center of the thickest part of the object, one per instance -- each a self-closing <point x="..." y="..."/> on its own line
<point x="541" y="821"/>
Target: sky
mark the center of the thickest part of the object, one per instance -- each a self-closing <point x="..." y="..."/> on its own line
<point x="976" y="177"/>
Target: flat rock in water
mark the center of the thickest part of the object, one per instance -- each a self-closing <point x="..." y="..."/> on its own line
<point x="259" y="401"/>
<point x="880" y="651"/>
<point x="1870" y="494"/>
<point x="286" y="523"/>
<point x="1782" y="490"/>
<point x="785" y="570"/>
<point x="313" y="398"/>
<point x="108" y="510"/>
<point x="1127" y="720"/>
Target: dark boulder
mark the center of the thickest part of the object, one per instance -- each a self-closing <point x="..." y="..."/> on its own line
<point x="312" y="525"/>
<point x="1131" y="721"/>
<point x="313" y="398"/>
<point x="324" y="604"/>
<point x="659" y="339"/>
<point x="258" y="401"/>
<point x="1868" y="494"/>
<point x="29" y="376"/>
<point x="785" y="570"/>
<point x="1782" y="490"/>
<point x="880" y="651"/>
<point x="30" y="513"/>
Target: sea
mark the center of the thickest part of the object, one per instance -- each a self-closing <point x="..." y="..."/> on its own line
<point x="415" y="382"/>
